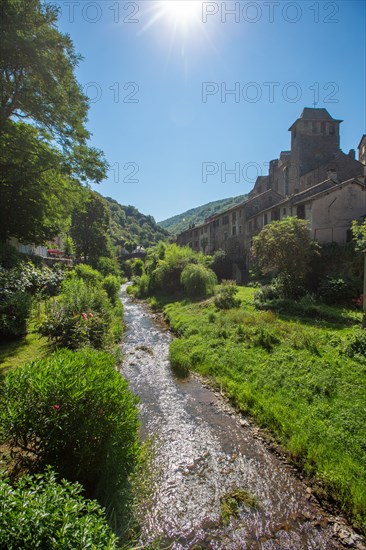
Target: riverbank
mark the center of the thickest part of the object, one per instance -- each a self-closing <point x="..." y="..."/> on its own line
<point x="303" y="379"/>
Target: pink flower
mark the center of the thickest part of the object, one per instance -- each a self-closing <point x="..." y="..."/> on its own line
<point x="85" y="316"/>
<point x="91" y="315"/>
<point x="56" y="407"/>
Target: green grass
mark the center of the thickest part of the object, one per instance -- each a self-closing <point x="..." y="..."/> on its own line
<point x="294" y="377"/>
<point x="22" y="350"/>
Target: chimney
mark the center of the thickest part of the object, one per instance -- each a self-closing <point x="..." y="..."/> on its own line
<point x="352" y="154"/>
<point x="332" y="174"/>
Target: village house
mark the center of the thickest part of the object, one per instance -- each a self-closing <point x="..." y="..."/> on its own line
<point x="315" y="181"/>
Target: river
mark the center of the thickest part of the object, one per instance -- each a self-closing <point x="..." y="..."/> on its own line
<point x="203" y="451"/>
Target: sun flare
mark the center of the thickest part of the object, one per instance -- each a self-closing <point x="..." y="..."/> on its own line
<point x="181" y="12"/>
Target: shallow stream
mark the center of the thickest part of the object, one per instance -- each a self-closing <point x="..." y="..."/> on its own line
<point x="202" y="451"/>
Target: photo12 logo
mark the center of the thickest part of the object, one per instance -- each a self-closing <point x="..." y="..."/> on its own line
<point x="125" y="172"/>
<point x="239" y="172"/>
<point x="93" y="12"/>
<point x="271" y="12"/>
<point x="121" y="93"/>
<point x="253" y="92"/>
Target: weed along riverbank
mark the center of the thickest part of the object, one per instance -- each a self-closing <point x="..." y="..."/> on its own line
<point x="217" y="484"/>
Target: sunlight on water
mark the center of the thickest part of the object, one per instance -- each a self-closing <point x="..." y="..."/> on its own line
<point x="202" y="452"/>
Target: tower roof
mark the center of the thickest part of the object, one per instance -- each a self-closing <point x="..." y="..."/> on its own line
<point x="314" y="114"/>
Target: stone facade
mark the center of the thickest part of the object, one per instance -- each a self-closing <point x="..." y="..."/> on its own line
<point x="314" y="181"/>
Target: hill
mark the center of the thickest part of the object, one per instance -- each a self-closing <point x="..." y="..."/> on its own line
<point x="130" y="228"/>
<point x="179" y="223"/>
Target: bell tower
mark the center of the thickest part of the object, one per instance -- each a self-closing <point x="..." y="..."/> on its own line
<point x="314" y="139"/>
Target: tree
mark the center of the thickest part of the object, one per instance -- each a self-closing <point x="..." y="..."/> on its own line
<point x="34" y="186"/>
<point x="37" y="72"/>
<point x="285" y="247"/>
<point x="89" y="227"/>
<point x="359" y="235"/>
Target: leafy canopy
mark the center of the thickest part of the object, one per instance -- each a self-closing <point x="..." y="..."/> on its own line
<point x="285" y="247"/>
<point x="37" y="76"/>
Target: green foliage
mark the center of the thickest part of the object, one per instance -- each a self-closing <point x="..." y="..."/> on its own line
<point x="285" y="247"/>
<point x="38" y="512"/>
<point x="232" y="502"/>
<point x="198" y="281"/>
<point x="9" y="256"/>
<point x="356" y="346"/>
<point x="108" y="266"/>
<point x="17" y="285"/>
<point x="81" y="316"/>
<point x="88" y="274"/>
<point x="137" y="267"/>
<point x="221" y="265"/>
<point x="338" y="290"/>
<point x="359" y="235"/>
<point x="89" y="228"/>
<point x="74" y="411"/>
<point x="38" y="80"/>
<point x="15" y="308"/>
<point x="181" y="222"/>
<point x="35" y="191"/>
<point x="69" y="246"/>
<point x="112" y="286"/>
<point x="130" y="228"/>
<point x="225" y="298"/>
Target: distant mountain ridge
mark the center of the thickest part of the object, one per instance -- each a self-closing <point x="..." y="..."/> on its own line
<point x="130" y="228"/>
<point x="181" y="222"/>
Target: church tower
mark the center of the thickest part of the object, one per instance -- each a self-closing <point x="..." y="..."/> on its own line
<point x="314" y="140"/>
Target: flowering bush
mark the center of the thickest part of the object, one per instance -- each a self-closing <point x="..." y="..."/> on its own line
<point x="81" y="316"/>
<point x="38" y="512"/>
<point x="74" y="411"/>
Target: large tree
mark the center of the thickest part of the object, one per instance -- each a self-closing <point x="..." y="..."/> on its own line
<point x="285" y="247"/>
<point x="35" y="188"/>
<point x="37" y="64"/>
<point x="89" y="227"/>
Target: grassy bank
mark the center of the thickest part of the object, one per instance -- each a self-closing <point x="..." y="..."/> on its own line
<point x="16" y="352"/>
<point x="303" y="378"/>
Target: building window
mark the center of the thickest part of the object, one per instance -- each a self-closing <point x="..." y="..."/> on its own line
<point x="284" y="211"/>
<point x="331" y="129"/>
<point x="233" y="217"/>
<point x="234" y="230"/>
<point x="240" y="230"/>
<point x="313" y="127"/>
<point x="349" y="236"/>
<point x="225" y="220"/>
<point x="240" y="213"/>
<point x="250" y="227"/>
<point x="225" y="236"/>
<point x="265" y="218"/>
<point x="301" y="211"/>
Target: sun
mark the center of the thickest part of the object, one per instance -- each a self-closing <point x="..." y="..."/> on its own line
<point x="181" y="13"/>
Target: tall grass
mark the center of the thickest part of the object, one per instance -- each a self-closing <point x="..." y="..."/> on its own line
<point x="302" y="380"/>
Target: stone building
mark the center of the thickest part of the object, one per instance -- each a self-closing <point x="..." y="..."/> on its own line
<point x="315" y="181"/>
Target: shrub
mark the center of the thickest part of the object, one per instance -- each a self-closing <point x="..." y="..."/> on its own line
<point x="88" y="274"/>
<point x="73" y="411"/>
<point x="137" y="267"/>
<point x="198" y="281"/>
<point x="112" y="285"/>
<point x="9" y="256"/>
<point x="225" y="298"/>
<point x="338" y="289"/>
<point x="81" y="316"/>
<point x="15" y="308"/>
<point x="108" y="266"/>
<point x="221" y="265"/>
<point x="356" y="347"/>
<point x="41" y="513"/>
<point x="142" y="286"/>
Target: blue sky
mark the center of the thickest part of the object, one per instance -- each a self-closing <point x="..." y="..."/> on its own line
<point x="164" y="129"/>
